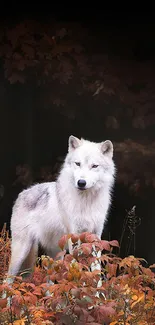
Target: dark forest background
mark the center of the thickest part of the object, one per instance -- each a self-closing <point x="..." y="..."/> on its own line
<point x="90" y="76"/>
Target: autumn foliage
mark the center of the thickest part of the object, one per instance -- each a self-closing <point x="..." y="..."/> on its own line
<point x="66" y="291"/>
<point x="73" y="73"/>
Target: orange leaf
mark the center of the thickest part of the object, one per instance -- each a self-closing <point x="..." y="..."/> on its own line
<point x="45" y="261"/>
<point x="134" y="297"/>
<point x="21" y="321"/>
<point x="70" y="276"/>
<point x="37" y="292"/>
<point x="141" y="298"/>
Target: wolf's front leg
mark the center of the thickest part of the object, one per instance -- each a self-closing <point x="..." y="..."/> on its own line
<point x="98" y="232"/>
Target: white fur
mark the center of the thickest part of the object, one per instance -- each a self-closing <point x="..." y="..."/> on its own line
<point x="44" y="212"/>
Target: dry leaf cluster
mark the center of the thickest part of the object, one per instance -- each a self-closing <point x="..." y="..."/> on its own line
<point x="66" y="291"/>
<point x="57" y="57"/>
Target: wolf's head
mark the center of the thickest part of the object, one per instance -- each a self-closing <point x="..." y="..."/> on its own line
<point x="89" y="164"/>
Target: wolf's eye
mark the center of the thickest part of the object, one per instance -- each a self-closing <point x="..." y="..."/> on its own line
<point x="77" y="163"/>
<point x="94" y="166"/>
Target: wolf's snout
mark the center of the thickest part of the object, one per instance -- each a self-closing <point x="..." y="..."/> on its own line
<point x="81" y="184"/>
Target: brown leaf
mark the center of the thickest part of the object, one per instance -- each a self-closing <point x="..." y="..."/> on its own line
<point x="61" y="33"/>
<point x="92" y="323"/>
<point x="21" y="65"/>
<point x="103" y="312"/>
<point x="76" y="292"/>
<point x="112" y="268"/>
<point x="3" y="302"/>
<point x="28" y="50"/>
<point x="16" y="77"/>
<point x="112" y="122"/>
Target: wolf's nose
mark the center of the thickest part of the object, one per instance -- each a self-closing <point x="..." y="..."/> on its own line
<point x="81" y="183"/>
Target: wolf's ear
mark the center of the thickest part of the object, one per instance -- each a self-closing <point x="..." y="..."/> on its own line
<point x="73" y="143"/>
<point x="107" y="148"/>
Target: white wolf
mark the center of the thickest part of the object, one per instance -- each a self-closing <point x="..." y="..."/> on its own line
<point x="78" y="201"/>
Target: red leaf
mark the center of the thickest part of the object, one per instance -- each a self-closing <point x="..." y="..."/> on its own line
<point x="91" y="259"/>
<point x="75" y="253"/>
<point x="37" y="292"/>
<point x="92" y="323"/>
<point x="103" y="313"/>
<point x="68" y="258"/>
<point x="30" y="298"/>
<point x="104" y="244"/>
<point x="77" y="310"/>
<point x="17" y="302"/>
<point x="28" y="285"/>
<point x="91" y="238"/>
<point x="60" y="254"/>
<point x="90" y="319"/>
<point x="6" y="309"/>
<point x="63" y="241"/>
<point x="74" y="238"/>
<point x="4" y="286"/>
<point x="87" y="237"/>
<point x="87" y="249"/>
<point x="114" y="243"/>
<point x="83" y="237"/>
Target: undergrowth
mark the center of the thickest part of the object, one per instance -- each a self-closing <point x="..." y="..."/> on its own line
<point x="67" y="291"/>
